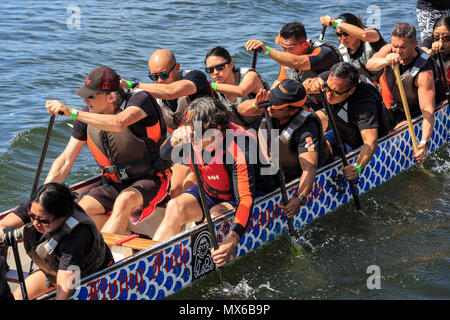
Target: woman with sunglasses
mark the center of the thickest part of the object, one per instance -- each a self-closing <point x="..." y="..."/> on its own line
<point x="61" y="239"/>
<point x="358" y="43"/>
<point x="233" y="85"/>
<point x="440" y="42"/>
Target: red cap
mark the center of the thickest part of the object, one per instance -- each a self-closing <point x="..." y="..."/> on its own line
<point x="100" y="79"/>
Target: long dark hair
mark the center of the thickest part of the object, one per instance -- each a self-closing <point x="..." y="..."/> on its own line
<point x="57" y="199"/>
<point x="219" y="52"/>
<point x="350" y="18"/>
<point x="443" y="21"/>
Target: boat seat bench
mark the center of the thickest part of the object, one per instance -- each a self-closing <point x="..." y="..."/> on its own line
<point x="122" y="246"/>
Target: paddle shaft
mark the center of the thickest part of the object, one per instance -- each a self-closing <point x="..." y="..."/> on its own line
<point x="444" y="74"/>
<point x="322" y="34"/>
<point x="406" y="108"/>
<point x="342" y="152"/>
<point x="205" y="209"/>
<point x="280" y="175"/>
<point x="43" y="153"/>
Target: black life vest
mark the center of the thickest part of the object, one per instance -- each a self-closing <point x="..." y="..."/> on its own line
<point x="122" y="155"/>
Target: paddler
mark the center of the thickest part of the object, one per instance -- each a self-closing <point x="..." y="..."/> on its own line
<point x="302" y="147"/>
<point x="300" y="58"/>
<point x="173" y="88"/>
<point x="124" y="132"/>
<point x="222" y="150"/>
<point x="358" y="43"/>
<point x="60" y="238"/>
<point x="234" y="84"/>
<point x="418" y="81"/>
<point x="358" y="110"/>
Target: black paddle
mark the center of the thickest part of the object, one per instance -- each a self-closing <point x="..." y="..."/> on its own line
<point x="322" y="34"/>
<point x="280" y="175"/>
<point x="444" y="74"/>
<point x="9" y="236"/>
<point x="44" y="151"/>
<point x="204" y="205"/>
<point x="342" y="154"/>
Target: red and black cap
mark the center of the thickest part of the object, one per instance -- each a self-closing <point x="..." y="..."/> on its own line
<point x="100" y="79"/>
<point x="288" y="93"/>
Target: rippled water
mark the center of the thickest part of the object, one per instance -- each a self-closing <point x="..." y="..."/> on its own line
<point x="46" y="55"/>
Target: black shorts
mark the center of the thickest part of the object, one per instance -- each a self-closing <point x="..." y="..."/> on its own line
<point x="153" y="190"/>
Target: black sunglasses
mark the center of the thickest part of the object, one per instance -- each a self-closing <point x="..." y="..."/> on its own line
<point x="340" y="34"/>
<point x="335" y="93"/>
<point x="445" y="38"/>
<point x="33" y="217"/>
<point x="162" y="75"/>
<point x="218" y="67"/>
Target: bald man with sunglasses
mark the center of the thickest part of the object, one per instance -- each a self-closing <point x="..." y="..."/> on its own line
<point x="173" y="89"/>
<point x="358" y="110"/>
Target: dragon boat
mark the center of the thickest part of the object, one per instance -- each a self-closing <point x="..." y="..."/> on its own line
<point x="161" y="269"/>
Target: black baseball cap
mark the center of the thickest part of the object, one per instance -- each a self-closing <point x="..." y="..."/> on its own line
<point x="288" y="93"/>
<point x="100" y="79"/>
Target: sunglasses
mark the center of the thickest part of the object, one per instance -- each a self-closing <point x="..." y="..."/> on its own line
<point x="218" y="67"/>
<point x="33" y="218"/>
<point x="335" y="93"/>
<point x="445" y="38"/>
<point x="340" y="34"/>
<point x="162" y="75"/>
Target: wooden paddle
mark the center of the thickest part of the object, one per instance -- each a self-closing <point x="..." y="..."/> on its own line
<point x="444" y="74"/>
<point x="342" y="152"/>
<point x="204" y="205"/>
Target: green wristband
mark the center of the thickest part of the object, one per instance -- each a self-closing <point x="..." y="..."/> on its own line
<point x="74" y="113"/>
<point x="357" y="167"/>
<point x="267" y="50"/>
<point x="256" y="107"/>
<point x="129" y="84"/>
<point x="214" y="86"/>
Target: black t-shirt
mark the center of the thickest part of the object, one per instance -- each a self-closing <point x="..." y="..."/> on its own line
<point x="201" y="83"/>
<point x="72" y="248"/>
<point x="364" y="110"/>
<point x="304" y="139"/>
<point x="140" y="99"/>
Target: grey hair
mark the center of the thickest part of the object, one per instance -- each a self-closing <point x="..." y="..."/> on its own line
<point x="404" y="30"/>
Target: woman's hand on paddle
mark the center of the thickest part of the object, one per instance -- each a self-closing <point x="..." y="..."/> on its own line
<point x="226" y="250"/>
<point x="182" y="134"/>
<point x="253" y="45"/>
<point x="327" y="21"/>
<point x="56" y="107"/>
<point x="291" y="208"/>
<point x="438" y="46"/>
<point x="314" y="85"/>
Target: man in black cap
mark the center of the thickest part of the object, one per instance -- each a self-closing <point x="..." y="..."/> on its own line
<point x="124" y="132"/>
<point x="302" y="147"/>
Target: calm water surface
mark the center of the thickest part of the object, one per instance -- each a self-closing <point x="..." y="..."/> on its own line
<point x="47" y="53"/>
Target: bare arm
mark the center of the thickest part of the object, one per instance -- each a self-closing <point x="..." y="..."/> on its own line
<point x="368" y="35"/>
<point x="11" y="220"/>
<point x="63" y="164"/>
<point x="370" y="144"/>
<point x="378" y="61"/>
<point x="247" y="108"/>
<point x="249" y="84"/>
<point x="169" y="91"/>
<point x="64" y="280"/>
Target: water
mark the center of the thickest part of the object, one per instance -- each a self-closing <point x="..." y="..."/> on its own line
<point x="46" y="54"/>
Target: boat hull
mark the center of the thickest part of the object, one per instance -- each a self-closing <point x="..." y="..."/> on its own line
<point x="168" y="267"/>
